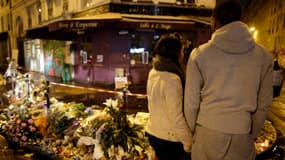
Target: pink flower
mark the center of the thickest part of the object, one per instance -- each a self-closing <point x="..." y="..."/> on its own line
<point x="32" y="129"/>
<point x="24" y="138"/>
<point x="15" y="139"/>
<point x="23" y="125"/>
<point x="18" y="121"/>
<point x="30" y="121"/>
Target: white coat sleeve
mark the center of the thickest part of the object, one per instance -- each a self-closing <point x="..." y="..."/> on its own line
<point x="173" y="95"/>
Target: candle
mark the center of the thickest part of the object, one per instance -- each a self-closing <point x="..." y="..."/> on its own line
<point x="266" y="143"/>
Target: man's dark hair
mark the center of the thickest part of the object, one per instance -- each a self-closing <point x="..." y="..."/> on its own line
<point x="227" y="11"/>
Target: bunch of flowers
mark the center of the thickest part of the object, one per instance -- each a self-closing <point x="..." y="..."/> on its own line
<point x="19" y="127"/>
<point x="114" y="136"/>
<point x="64" y="119"/>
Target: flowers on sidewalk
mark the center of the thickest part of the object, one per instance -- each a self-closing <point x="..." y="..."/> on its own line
<point x="116" y="137"/>
<point x="19" y="127"/>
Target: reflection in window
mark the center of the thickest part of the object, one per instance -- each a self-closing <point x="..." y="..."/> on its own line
<point x="141" y="46"/>
<point x="86" y="48"/>
<point x="142" y="43"/>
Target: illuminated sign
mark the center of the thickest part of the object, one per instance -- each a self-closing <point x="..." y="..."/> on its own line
<point x="74" y="25"/>
<point x="77" y="24"/>
<point x="148" y="25"/>
<point x="156" y="24"/>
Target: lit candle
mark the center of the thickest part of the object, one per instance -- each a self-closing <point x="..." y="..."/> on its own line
<point x="266" y="143"/>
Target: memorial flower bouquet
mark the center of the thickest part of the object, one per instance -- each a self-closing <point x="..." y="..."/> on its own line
<point x="113" y="135"/>
<point x="19" y="126"/>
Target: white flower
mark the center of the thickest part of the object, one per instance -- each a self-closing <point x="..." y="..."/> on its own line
<point x="111" y="151"/>
<point x="112" y="103"/>
<point x="121" y="153"/>
<point x="108" y="102"/>
<point x="98" y="151"/>
<point x="139" y="149"/>
<point x="86" y="141"/>
<point x="11" y="106"/>
<point x="23" y="107"/>
<point x="117" y="152"/>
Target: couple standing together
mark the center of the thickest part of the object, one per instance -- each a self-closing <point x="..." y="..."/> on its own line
<point x="216" y="107"/>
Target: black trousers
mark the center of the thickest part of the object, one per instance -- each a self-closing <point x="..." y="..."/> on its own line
<point x="167" y="150"/>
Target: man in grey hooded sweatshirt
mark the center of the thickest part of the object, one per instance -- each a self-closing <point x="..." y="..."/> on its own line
<point x="228" y="89"/>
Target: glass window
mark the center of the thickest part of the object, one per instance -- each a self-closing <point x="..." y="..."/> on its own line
<point x="86" y="50"/>
<point x="140" y="51"/>
<point x="142" y="43"/>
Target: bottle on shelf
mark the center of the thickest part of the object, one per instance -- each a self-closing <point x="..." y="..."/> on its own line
<point x="278" y="77"/>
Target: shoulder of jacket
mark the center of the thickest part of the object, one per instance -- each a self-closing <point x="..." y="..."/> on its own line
<point x="202" y="49"/>
<point x="265" y="51"/>
<point x="205" y="46"/>
<point x="165" y="75"/>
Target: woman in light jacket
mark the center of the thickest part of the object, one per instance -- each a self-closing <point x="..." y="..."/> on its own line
<point x="167" y="129"/>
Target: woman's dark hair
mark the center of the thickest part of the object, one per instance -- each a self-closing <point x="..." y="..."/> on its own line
<point x="169" y="46"/>
<point x="227" y="11"/>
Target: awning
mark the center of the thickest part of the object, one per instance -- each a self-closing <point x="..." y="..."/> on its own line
<point x="129" y="21"/>
<point x="44" y="33"/>
<point x="174" y="19"/>
<point x="68" y="29"/>
<point x="179" y="23"/>
<point x="87" y="22"/>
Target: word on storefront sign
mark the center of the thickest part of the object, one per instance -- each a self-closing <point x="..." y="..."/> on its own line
<point x="148" y="25"/>
<point x="77" y="24"/>
<point x="74" y="25"/>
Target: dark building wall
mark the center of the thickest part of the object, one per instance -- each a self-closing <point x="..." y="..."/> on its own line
<point x="114" y="48"/>
<point x="203" y="35"/>
<point x="3" y="51"/>
<point x="98" y="43"/>
<point x="114" y="45"/>
<point x="3" y="55"/>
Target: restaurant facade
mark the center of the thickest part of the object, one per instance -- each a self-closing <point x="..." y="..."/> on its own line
<point x="97" y="41"/>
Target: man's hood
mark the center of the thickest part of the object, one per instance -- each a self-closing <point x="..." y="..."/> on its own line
<point x="233" y="38"/>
